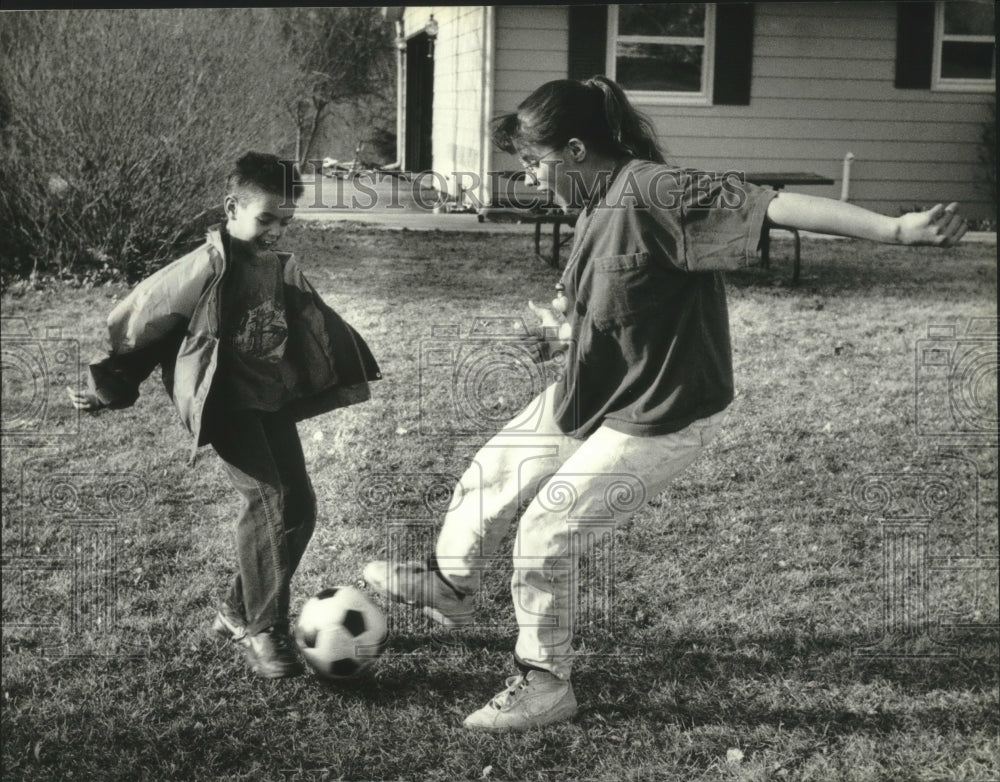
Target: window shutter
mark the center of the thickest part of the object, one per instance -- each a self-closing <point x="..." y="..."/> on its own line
<point x="914" y="45"/>
<point x="733" y="54"/>
<point x="588" y="40"/>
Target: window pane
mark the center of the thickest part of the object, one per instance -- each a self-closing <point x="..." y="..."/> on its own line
<point x="968" y="18"/>
<point x="676" y="19"/>
<point x="659" y="67"/>
<point x="966" y="60"/>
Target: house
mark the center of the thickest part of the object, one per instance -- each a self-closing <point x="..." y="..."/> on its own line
<point x="906" y="88"/>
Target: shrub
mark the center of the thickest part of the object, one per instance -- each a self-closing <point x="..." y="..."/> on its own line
<point x="362" y="129"/>
<point x="383" y="143"/>
<point x="120" y="127"/>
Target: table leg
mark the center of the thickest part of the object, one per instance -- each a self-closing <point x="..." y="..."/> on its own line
<point x="798" y="253"/>
<point x="765" y="248"/>
<point x="554" y="261"/>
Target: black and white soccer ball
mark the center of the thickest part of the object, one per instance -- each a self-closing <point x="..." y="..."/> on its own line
<point x="340" y="632"/>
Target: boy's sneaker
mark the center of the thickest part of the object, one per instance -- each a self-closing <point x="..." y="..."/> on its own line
<point x="417" y="585"/>
<point x="228" y="624"/>
<point x="530" y="700"/>
<point x="271" y="653"/>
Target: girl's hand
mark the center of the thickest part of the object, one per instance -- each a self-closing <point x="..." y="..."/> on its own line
<point x="85" y="400"/>
<point x="941" y="226"/>
<point x="548" y="339"/>
<point x="549" y="318"/>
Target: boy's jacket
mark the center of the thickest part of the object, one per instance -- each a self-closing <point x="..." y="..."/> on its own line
<point x="172" y="319"/>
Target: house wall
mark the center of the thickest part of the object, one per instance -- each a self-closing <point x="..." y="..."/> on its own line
<point x="822" y="86"/>
<point x="462" y="59"/>
<point x="532" y="47"/>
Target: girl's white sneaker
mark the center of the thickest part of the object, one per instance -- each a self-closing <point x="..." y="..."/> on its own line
<point x="417" y="585"/>
<point x="529" y="701"/>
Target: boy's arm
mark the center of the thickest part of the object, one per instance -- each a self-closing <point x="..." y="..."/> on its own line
<point x="113" y="382"/>
<point x="85" y="400"/>
<point x="941" y="226"/>
<point x="145" y="330"/>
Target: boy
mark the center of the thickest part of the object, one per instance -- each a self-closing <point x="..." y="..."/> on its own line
<point x="247" y="349"/>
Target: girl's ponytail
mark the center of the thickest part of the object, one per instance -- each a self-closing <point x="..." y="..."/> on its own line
<point x="596" y="111"/>
<point x="630" y="129"/>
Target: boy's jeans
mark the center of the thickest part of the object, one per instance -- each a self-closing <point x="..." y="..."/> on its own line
<point x="262" y="456"/>
<point x="592" y="485"/>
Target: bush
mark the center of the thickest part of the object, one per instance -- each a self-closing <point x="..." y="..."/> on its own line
<point x="120" y="128"/>
<point x="362" y="129"/>
<point x="383" y="144"/>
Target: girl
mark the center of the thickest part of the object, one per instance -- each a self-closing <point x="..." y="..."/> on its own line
<point x="648" y="374"/>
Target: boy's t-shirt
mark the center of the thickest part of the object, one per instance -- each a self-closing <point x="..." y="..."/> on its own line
<point x="253" y="372"/>
<point x="647" y="305"/>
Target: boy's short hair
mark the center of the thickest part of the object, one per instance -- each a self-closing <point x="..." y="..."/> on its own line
<point x="262" y="171"/>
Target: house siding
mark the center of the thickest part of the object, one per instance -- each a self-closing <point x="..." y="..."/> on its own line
<point x="822" y="86"/>
<point x="532" y="47"/>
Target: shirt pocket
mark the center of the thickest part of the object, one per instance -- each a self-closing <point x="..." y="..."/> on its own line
<point x="622" y="290"/>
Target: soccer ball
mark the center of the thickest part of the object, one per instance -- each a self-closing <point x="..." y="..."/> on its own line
<point x="340" y="632"/>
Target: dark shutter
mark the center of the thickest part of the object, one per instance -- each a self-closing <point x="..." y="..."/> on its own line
<point x="914" y="45"/>
<point x="588" y="40"/>
<point x="733" y="54"/>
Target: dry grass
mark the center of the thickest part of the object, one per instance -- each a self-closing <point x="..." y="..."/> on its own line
<point x="743" y="596"/>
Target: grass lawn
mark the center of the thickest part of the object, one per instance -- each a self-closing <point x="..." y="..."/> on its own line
<point x="745" y="635"/>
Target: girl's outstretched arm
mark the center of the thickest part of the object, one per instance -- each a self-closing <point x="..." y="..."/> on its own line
<point x="941" y="226"/>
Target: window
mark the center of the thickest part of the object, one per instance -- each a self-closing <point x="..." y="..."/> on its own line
<point x="662" y="52"/>
<point x="964" y="46"/>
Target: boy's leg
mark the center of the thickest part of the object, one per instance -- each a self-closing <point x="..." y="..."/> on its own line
<point x="262" y="455"/>
<point x="299" y="512"/>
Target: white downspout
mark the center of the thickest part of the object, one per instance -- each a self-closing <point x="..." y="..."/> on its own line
<point x="400" y="98"/>
<point x="845" y="178"/>
<point x="486" y="143"/>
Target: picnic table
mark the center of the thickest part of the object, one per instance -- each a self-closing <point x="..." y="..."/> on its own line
<point x="531" y="209"/>
<point x="553" y="217"/>
<point x="778" y="180"/>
